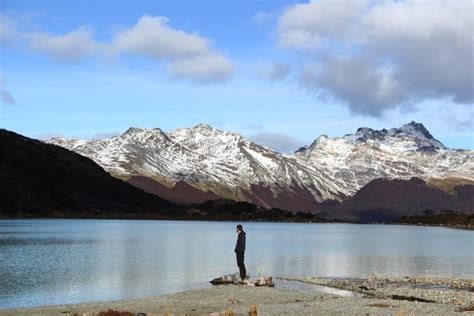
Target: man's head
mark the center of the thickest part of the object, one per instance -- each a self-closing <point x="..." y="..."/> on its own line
<point x="239" y="228"/>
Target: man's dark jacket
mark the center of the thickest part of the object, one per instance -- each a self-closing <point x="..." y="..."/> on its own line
<point x="240" y="246"/>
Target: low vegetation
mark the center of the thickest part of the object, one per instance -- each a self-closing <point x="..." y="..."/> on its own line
<point x="232" y="210"/>
<point x="442" y="218"/>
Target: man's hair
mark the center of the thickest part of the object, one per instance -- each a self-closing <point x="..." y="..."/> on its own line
<point x="239" y="227"/>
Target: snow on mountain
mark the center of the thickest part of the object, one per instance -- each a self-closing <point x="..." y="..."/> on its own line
<point x="399" y="153"/>
<point x="138" y="151"/>
<point x="233" y="167"/>
<point x="232" y="160"/>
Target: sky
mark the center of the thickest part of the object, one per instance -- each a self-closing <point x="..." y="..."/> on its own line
<point x="278" y="72"/>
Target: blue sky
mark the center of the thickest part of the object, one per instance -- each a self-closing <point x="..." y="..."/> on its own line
<point x="279" y="72"/>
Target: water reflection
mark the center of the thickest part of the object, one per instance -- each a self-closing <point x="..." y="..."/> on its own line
<point x="71" y="261"/>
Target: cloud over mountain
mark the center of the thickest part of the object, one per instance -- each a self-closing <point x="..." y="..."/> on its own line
<point x="277" y="141"/>
<point x="375" y="56"/>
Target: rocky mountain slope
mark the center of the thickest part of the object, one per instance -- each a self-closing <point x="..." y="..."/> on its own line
<point x="44" y="180"/>
<point x="384" y="200"/>
<point x="202" y="163"/>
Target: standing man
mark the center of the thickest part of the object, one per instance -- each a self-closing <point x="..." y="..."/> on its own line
<point x="240" y="251"/>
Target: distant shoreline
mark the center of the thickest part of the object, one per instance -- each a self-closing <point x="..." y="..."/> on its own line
<point x="463" y="227"/>
<point x="200" y="219"/>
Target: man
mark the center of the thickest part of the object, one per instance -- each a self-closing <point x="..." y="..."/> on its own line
<point x="240" y="250"/>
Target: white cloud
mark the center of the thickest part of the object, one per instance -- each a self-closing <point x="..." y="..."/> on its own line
<point x="189" y="56"/>
<point x="277" y="141"/>
<point x="305" y="26"/>
<point x="202" y="68"/>
<point x="459" y="118"/>
<point x="368" y="88"/>
<point x="379" y="55"/>
<point x="5" y="95"/>
<point x="184" y="55"/>
<point x="152" y="36"/>
<point x="70" y="47"/>
<point x="431" y="42"/>
<point x="275" y="71"/>
<point x="465" y="124"/>
<point x="8" y="33"/>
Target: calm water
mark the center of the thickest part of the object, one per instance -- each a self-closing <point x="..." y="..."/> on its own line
<point x="70" y="261"/>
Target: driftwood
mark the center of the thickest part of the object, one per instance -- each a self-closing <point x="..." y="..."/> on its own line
<point x="226" y="279"/>
<point x="235" y="279"/>
<point x="411" y="299"/>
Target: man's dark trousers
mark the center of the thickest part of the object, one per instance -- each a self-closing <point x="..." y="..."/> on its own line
<point x="240" y="263"/>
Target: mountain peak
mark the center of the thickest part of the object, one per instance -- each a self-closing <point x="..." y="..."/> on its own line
<point x="203" y="126"/>
<point x="207" y="130"/>
<point x="321" y="140"/>
<point x="365" y="133"/>
<point x="364" y="130"/>
<point x="411" y="135"/>
<point x="202" y="129"/>
<point x="145" y="134"/>
<point x="132" y="130"/>
<point x="417" y="129"/>
<point x="412" y="129"/>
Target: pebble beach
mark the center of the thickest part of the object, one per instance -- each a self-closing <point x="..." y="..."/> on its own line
<point x="376" y="295"/>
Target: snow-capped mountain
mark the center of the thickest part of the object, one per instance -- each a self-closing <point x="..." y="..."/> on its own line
<point x="230" y="166"/>
<point x="398" y="153"/>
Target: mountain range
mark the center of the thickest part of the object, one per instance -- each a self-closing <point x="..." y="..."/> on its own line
<point x="202" y="163"/>
<point x="43" y="180"/>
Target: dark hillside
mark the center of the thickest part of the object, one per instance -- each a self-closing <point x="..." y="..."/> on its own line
<point x="44" y="180"/>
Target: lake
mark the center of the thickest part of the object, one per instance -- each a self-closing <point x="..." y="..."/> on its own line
<point x="46" y="262"/>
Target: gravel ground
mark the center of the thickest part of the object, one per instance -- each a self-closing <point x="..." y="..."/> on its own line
<point x="269" y="301"/>
<point x="458" y="292"/>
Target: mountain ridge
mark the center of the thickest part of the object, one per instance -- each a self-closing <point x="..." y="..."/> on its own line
<point x="227" y="165"/>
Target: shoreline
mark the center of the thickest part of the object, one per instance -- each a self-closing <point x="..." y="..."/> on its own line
<point x="464" y="227"/>
<point x="378" y="295"/>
